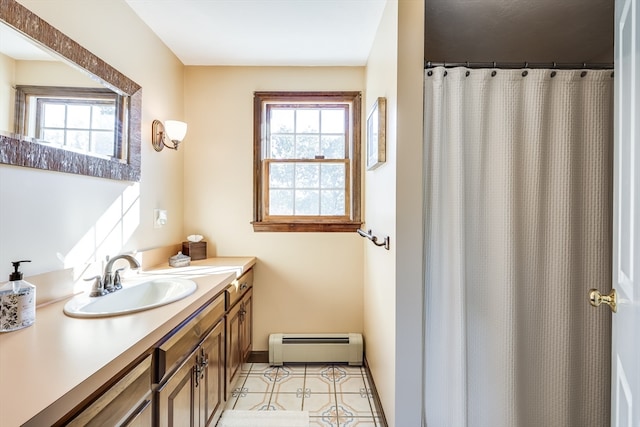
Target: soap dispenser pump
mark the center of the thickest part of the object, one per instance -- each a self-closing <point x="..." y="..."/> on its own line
<point x="17" y="301"/>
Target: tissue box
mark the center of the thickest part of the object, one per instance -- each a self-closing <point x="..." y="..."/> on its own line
<point x="196" y="250"/>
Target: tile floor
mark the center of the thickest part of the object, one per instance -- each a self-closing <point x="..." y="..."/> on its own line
<point x="334" y="395"/>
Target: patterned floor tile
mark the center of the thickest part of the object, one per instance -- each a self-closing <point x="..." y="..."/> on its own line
<point x="289" y="384"/>
<point x="287" y="401"/>
<point x="322" y="422"/>
<point x="257" y="384"/>
<point x="350" y="384"/>
<point x="317" y="368"/>
<point x="295" y="368"/>
<point x="319" y="384"/>
<point x="335" y="395"/>
<point x="263" y="369"/>
<point x="354" y="405"/>
<point x="360" y="422"/>
<point x="319" y="404"/>
<point x="253" y="402"/>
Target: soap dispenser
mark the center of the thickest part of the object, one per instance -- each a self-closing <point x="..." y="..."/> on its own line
<point x="17" y="302"/>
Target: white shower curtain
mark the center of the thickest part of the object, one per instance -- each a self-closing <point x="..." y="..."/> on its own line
<point x="518" y="229"/>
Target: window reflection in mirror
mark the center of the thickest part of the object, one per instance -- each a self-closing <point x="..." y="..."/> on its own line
<point x="55" y="103"/>
<point x="79" y="138"/>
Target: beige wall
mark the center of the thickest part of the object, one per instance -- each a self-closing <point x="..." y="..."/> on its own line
<point x="7" y="72"/>
<point x="63" y="221"/>
<point x="380" y="215"/>
<point x="393" y="206"/>
<point x="305" y="282"/>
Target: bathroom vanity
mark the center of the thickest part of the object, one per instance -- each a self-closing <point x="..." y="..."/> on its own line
<point x="139" y="369"/>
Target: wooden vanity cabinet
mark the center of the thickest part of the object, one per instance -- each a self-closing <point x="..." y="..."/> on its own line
<point x="126" y="403"/>
<point x="193" y="395"/>
<point x="239" y="326"/>
<point x="190" y="370"/>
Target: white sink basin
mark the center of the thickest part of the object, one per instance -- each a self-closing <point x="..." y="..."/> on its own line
<point x="131" y="299"/>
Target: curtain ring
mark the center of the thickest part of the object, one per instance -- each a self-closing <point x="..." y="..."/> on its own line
<point x="582" y="74"/>
<point x="493" y="73"/>
<point x="553" y="74"/>
<point x="469" y="72"/>
<point x="445" y="73"/>
<point x="429" y="73"/>
<point x="524" y="73"/>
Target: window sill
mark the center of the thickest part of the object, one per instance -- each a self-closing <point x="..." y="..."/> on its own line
<point x="340" y="227"/>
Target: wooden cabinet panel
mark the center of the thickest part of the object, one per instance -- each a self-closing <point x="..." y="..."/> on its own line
<point x="123" y="402"/>
<point x="211" y="387"/>
<point x="175" y="398"/>
<point x="246" y="329"/>
<point x="193" y="396"/>
<point x="234" y="357"/>
<point x="171" y="352"/>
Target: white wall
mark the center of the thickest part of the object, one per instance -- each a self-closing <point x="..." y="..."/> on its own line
<point x="62" y="221"/>
<point x="393" y="206"/>
<point x="305" y="282"/>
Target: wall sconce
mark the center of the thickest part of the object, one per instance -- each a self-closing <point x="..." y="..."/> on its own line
<point x="172" y="130"/>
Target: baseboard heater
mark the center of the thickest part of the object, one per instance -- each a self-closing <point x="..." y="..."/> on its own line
<point x="320" y="348"/>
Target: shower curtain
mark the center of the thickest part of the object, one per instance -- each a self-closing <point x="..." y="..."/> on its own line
<point x="518" y="229"/>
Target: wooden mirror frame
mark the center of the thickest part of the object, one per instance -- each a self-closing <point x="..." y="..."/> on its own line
<point x="20" y="150"/>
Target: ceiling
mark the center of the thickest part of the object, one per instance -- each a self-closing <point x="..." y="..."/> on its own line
<point x="265" y="32"/>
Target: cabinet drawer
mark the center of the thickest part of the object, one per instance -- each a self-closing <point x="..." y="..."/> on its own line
<point x="121" y="403"/>
<point x="238" y="287"/>
<point x="172" y="351"/>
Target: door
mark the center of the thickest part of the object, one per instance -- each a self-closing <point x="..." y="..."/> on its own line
<point x="234" y="356"/>
<point x="175" y="399"/>
<point x="211" y="383"/>
<point x="246" y="329"/>
<point x="625" y="372"/>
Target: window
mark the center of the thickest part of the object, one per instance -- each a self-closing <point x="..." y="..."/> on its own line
<point x="307" y="161"/>
<point x="84" y="120"/>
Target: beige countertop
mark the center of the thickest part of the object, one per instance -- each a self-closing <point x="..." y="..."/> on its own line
<point x="46" y="369"/>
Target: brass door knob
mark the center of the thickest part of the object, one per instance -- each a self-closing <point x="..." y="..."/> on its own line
<point x="596" y="298"/>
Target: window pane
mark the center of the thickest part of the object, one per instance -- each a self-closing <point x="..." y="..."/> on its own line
<point x="103" y="117"/>
<point x="79" y="116"/>
<point x="307" y="175"/>
<point x="281" y="175"/>
<point x="307" y="146"/>
<point x="333" y="146"/>
<point x="307" y="121"/>
<point x="281" y="202"/>
<point x="54" y="115"/>
<point x="332" y="202"/>
<point x="53" y="135"/>
<point x="333" y="176"/>
<point x="307" y="202"/>
<point x="102" y="143"/>
<point x="281" y="147"/>
<point x="281" y="120"/>
<point x="333" y="121"/>
<point x="78" y="139"/>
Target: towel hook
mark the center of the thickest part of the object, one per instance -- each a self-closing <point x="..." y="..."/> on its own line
<point x="374" y="239"/>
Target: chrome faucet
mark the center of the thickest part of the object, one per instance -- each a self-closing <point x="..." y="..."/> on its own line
<point x="110" y="281"/>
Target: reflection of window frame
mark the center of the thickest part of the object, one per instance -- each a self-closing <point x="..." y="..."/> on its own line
<point x="350" y="221"/>
<point x="28" y="114"/>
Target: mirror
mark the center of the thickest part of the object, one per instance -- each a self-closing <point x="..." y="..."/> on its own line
<point x="82" y="68"/>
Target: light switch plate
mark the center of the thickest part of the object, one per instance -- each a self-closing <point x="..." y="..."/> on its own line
<point x="159" y="218"/>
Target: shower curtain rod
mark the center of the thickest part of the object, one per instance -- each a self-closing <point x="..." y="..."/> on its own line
<point x="518" y="65"/>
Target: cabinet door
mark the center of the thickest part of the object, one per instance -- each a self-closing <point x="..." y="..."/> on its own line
<point x="121" y="403"/>
<point x="234" y="357"/>
<point x="143" y="416"/>
<point x="175" y="399"/>
<point x="210" y="384"/>
<point x="246" y="322"/>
